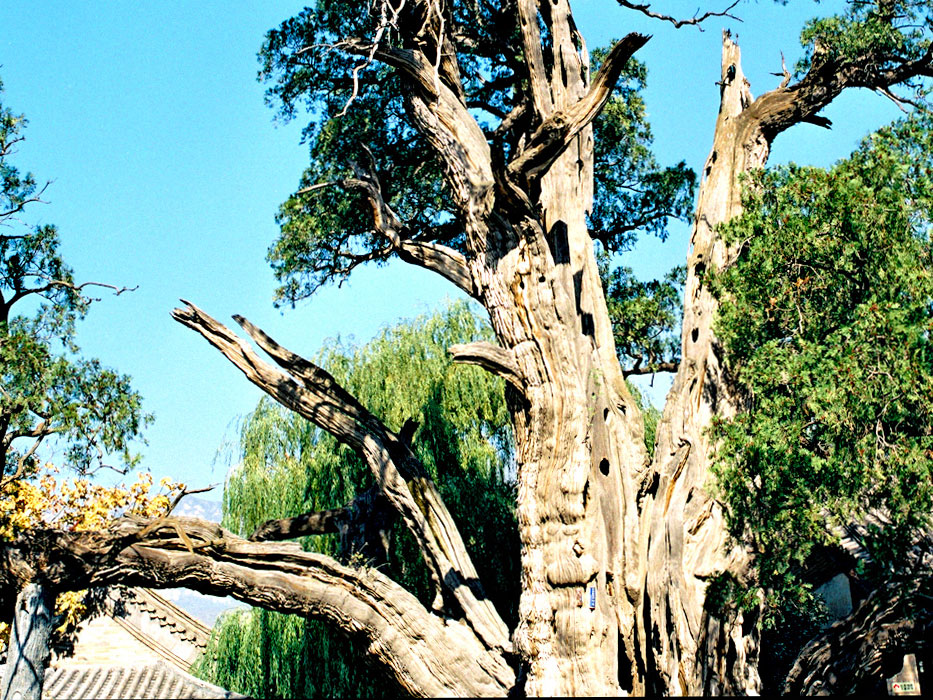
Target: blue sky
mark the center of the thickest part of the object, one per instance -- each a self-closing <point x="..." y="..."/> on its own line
<point x="167" y="170"/>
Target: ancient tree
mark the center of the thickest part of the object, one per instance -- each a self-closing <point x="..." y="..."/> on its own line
<point x="485" y="174"/>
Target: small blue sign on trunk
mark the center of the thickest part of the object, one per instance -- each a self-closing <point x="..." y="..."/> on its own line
<point x="592" y="597"/>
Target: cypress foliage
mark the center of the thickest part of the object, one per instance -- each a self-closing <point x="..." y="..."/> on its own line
<point x="827" y="325"/>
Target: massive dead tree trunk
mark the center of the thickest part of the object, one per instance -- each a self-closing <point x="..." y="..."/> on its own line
<point x="692" y="648"/>
<point x="691" y="651"/>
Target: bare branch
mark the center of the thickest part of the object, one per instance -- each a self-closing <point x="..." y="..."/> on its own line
<point x="40" y="430"/>
<point x="552" y="138"/>
<point x="316" y="522"/>
<point x="388" y="18"/>
<point x="36" y="198"/>
<point x="651" y="368"/>
<point x="426" y="653"/>
<point x="313" y="393"/>
<point x="23" y="462"/>
<point x="364" y="526"/>
<point x="534" y="57"/>
<point x="445" y="261"/>
<point x="187" y="492"/>
<point x="645" y="9"/>
<point x="445" y="120"/>
<point x="899" y="100"/>
<point x="787" y="105"/>
<point x="52" y="284"/>
<point x="492" y="358"/>
<point x="319" y="186"/>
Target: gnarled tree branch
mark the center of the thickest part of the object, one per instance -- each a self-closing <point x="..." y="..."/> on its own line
<point x="857" y="651"/>
<point x="553" y="137"/>
<point x="695" y="21"/>
<point x="364" y="526"/>
<point x="492" y="358"/>
<point x="651" y="368"/>
<point x="787" y="105"/>
<point x="427" y="654"/>
<point x="445" y="120"/>
<point x="436" y="257"/>
<point x="313" y="393"/>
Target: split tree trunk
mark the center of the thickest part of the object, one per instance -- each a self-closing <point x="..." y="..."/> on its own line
<point x="28" y="653"/>
<point x="690" y="649"/>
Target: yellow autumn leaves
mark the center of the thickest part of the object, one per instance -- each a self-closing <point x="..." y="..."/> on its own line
<point x="75" y="504"/>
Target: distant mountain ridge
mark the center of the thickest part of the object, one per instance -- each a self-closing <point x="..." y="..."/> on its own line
<point x="205" y="608"/>
<point x="194" y="507"/>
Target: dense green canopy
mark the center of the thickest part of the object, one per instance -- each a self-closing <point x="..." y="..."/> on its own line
<point x="827" y="321"/>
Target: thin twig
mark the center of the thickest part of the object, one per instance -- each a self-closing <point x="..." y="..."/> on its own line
<point x="645" y="9"/>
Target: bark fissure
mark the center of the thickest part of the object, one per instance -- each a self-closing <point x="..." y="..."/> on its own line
<point x="616" y="552"/>
<point x="688" y="543"/>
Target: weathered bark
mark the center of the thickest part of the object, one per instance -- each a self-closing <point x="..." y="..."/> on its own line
<point x="856" y="654"/>
<point x="597" y="522"/>
<point x="364" y="526"/>
<point x="594" y="519"/>
<point x="691" y="650"/>
<point x="29" y="652"/>
<point x="313" y="393"/>
<point x="429" y="655"/>
<point x="579" y="438"/>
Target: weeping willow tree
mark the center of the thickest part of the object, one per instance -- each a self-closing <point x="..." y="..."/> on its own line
<point x="287" y="465"/>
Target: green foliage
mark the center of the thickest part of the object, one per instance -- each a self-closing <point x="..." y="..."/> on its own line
<point x="883" y="34"/>
<point x="359" y="124"/>
<point x="826" y="321"/>
<point x="270" y="655"/>
<point x="645" y="316"/>
<point x="650" y="414"/>
<point x="47" y="390"/>
<point x="287" y="466"/>
<point x="325" y="234"/>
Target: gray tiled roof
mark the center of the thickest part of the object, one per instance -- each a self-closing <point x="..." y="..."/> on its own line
<point x="153" y="680"/>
